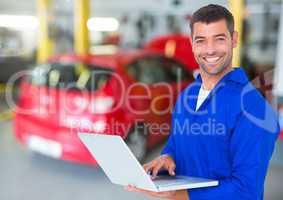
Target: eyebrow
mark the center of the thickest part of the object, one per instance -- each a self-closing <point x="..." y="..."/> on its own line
<point x="218" y="35"/>
<point x="198" y="37"/>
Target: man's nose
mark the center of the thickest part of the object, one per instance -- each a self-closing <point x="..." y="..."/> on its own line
<point x="210" y="48"/>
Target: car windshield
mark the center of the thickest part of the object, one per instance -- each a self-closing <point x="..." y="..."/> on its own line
<point x="70" y="76"/>
<point x="155" y="69"/>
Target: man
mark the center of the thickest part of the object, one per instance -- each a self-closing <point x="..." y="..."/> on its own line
<point x="222" y="128"/>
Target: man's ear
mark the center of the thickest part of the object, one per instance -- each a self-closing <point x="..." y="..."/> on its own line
<point x="235" y="38"/>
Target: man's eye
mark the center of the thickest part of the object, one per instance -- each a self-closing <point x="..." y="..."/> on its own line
<point x="198" y="41"/>
<point x="220" y="39"/>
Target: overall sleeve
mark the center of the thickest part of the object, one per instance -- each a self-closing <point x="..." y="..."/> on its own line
<point x="170" y="148"/>
<point x="251" y="147"/>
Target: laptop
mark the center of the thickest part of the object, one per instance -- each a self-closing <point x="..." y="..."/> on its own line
<point x="122" y="168"/>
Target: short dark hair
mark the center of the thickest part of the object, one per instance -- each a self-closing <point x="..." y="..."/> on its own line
<point x="213" y="13"/>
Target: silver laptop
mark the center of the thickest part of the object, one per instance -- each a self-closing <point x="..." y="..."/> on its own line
<point x="122" y="168"/>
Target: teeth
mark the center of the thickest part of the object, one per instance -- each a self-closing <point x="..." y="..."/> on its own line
<point x="212" y="60"/>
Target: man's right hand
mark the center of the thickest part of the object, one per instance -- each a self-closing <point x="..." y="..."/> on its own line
<point x="163" y="162"/>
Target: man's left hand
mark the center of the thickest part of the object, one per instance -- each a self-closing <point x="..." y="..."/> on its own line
<point x="172" y="195"/>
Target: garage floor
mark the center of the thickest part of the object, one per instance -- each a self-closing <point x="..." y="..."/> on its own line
<point x="27" y="176"/>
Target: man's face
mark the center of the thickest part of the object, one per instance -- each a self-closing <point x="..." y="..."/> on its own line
<point x="213" y="46"/>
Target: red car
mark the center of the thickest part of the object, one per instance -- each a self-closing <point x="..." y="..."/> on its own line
<point x="130" y="94"/>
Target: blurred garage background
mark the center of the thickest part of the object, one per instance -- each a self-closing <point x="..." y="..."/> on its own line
<point x="48" y="51"/>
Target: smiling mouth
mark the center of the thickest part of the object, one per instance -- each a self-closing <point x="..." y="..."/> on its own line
<point x="212" y="59"/>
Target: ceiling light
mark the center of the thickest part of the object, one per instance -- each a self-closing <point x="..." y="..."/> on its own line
<point x="19" y="22"/>
<point x="106" y="24"/>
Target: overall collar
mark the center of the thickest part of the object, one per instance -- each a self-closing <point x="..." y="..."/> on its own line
<point x="236" y="75"/>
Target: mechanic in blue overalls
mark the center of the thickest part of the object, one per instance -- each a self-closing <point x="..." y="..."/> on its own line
<point x="222" y="128"/>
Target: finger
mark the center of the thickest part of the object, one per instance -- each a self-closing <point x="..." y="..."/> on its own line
<point x="148" y="193"/>
<point x="135" y="189"/>
<point x="155" y="194"/>
<point x="171" y="170"/>
<point x="147" y="167"/>
<point x="129" y="188"/>
<point x="156" y="169"/>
